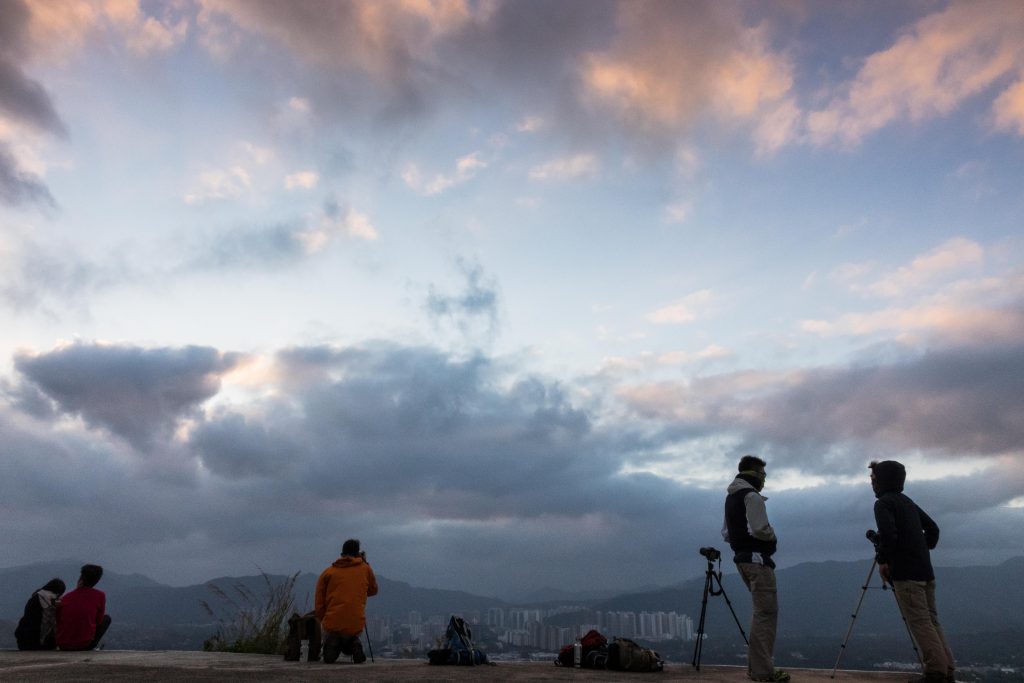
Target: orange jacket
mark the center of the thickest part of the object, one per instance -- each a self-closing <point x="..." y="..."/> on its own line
<point x="341" y="593"/>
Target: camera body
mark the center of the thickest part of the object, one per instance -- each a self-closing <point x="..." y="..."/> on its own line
<point x="872" y="536"/>
<point x="711" y="553"/>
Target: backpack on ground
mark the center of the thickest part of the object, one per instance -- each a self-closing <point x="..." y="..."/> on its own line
<point x="625" y="655"/>
<point x="303" y="627"/>
<point x="594" y="652"/>
<point x="458" y="647"/>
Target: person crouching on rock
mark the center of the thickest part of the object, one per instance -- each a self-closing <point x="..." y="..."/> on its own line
<point x="341" y="593"/>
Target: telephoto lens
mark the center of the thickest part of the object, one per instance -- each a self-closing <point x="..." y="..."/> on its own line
<point x="710" y="553"/>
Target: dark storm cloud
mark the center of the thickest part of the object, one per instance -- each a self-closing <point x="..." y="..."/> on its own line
<point x="477" y="302"/>
<point x="232" y="446"/>
<point x="18" y="187"/>
<point x="47" y="469"/>
<point x="964" y="401"/>
<point x="29" y="399"/>
<point x="422" y="453"/>
<point x="416" y="423"/>
<point x="136" y="393"/>
<point x="425" y="456"/>
<point x="961" y="402"/>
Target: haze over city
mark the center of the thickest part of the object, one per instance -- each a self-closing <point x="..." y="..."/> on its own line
<point x="504" y="289"/>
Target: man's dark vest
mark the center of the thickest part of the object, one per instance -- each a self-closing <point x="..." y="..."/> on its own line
<point x="740" y="539"/>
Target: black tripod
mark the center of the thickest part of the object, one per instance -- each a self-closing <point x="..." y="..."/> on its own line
<point x="853" y="617"/>
<point x="711" y="577"/>
<point x="366" y="633"/>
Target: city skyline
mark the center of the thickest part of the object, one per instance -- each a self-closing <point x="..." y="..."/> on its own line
<point x="504" y="289"/>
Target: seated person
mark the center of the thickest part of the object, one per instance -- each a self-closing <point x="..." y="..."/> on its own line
<point x="37" y="629"/>
<point x="81" y="617"/>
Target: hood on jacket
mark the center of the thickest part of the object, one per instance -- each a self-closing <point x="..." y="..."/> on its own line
<point x="346" y="561"/>
<point x="740" y="483"/>
<point x="737" y="484"/>
<point x="889" y="477"/>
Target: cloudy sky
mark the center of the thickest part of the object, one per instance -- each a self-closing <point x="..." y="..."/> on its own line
<point x="504" y="288"/>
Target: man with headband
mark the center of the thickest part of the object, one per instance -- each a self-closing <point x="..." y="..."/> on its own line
<point x="752" y="539"/>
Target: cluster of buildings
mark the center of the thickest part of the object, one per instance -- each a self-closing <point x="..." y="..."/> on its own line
<point x="527" y="629"/>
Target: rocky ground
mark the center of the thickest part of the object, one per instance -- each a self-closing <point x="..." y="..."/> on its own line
<point x="126" y="665"/>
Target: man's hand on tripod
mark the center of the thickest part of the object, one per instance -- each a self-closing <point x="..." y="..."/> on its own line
<point x="883" y="571"/>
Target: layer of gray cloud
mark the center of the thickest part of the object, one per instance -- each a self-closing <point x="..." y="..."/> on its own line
<point x="955" y="402"/>
<point x="21" y="98"/>
<point x="428" y="457"/>
<point x="24" y="101"/>
<point x="526" y="55"/>
<point x="138" y="394"/>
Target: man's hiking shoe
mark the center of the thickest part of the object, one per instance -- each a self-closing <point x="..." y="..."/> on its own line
<point x="357" y="653"/>
<point x="777" y="676"/>
<point x="931" y="678"/>
<point x="332" y="648"/>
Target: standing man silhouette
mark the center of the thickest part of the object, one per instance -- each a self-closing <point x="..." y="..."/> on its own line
<point x="752" y="539"/>
<point x="906" y="534"/>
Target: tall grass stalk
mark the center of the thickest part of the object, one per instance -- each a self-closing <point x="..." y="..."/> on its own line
<point x="248" y="622"/>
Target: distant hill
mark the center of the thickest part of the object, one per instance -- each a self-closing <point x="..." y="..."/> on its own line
<point x="816" y="599"/>
<point x="819" y="597"/>
<point x="151" y="614"/>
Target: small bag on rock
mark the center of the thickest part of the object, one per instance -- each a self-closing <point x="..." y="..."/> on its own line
<point x="625" y="655"/>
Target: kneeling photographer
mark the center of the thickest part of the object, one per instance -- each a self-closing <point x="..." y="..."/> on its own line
<point x="905" y="536"/>
<point x="753" y="541"/>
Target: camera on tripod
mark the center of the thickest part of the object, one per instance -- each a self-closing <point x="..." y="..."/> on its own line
<point x="712" y="579"/>
<point x="872" y="536"/>
<point x="711" y="553"/>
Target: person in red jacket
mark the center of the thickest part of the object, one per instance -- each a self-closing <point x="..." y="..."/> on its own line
<point x="81" y="614"/>
<point x="341" y="593"/>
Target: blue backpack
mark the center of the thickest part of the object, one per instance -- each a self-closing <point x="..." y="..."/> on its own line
<point x="459" y="649"/>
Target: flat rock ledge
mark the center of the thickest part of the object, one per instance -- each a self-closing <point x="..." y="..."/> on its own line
<point x="166" y="665"/>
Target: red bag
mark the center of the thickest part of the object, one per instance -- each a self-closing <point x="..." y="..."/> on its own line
<point x="595" y="650"/>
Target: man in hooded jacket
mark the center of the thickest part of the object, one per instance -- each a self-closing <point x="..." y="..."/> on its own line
<point x="752" y="539"/>
<point x="906" y="534"/>
<point x="341" y="593"/>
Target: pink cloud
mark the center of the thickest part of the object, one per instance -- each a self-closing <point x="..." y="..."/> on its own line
<point x="941" y="61"/>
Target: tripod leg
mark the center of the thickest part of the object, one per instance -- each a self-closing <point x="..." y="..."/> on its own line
<point x="721" y="590"/>
<point x="853" y="617"/>
<point x="366" y="633"/>
<point x="698" y="646"/>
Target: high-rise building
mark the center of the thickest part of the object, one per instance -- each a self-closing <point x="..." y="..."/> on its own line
<point x="496" y="617"/>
